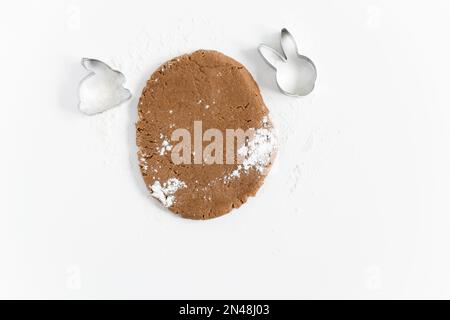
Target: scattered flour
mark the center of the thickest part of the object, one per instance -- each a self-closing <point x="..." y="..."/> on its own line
<point x="257" y="153"/>
<point x="166" y="192"/>
<point x="165" y="146"/>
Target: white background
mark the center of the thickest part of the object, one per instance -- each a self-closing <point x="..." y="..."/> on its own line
<point x="357" y="206"/>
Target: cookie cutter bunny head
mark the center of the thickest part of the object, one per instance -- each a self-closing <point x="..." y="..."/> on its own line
<point x="295" y="73"/>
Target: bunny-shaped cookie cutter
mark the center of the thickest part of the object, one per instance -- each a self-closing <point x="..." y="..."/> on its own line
<point x="102" y="88"/>
<point x="295" y="74"/>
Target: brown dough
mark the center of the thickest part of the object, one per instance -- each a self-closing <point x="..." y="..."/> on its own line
<point x="219" y="91"/>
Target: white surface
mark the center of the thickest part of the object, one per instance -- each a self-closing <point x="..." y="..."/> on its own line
<point x="357" y="207"/>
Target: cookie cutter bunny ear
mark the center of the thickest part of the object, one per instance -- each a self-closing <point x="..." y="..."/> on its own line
<point x="296" y="74"/>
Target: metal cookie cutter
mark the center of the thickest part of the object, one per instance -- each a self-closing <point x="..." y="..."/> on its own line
<point x="295" y="73"/>
<point x="102" y="88"/>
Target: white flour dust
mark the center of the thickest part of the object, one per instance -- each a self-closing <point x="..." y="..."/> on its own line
<point x="258" y="152"/>
<point x="165" y="146"/>
<point x="166" y="192"/>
